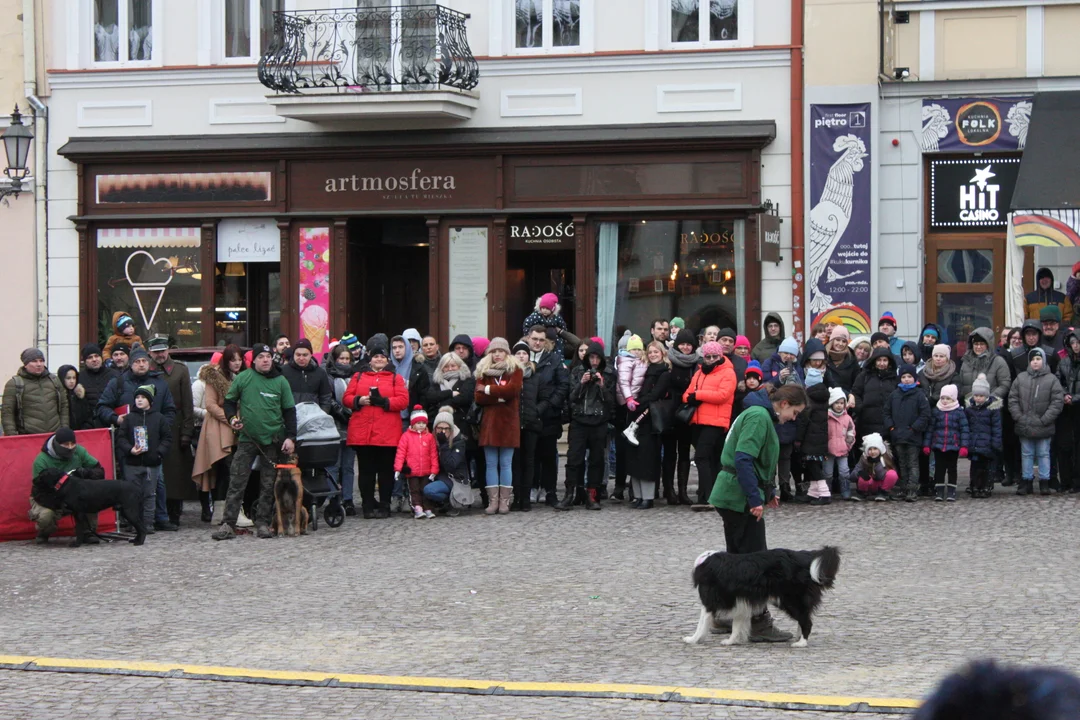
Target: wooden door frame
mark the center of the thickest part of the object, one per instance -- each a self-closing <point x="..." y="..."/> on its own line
<point x="935" y="242"/>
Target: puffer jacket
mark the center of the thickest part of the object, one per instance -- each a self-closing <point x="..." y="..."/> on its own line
<point x="772" y="367"/>
<point x="41" y="407"/>
<point x="841" y="434"/>
<point x="813" y="432"/>
<point x="915" y="352"/>
<point x="872" y="391"/>
<point x="768" y="346"/>
<point x="530" y="391"/>
<point x="714" y="388"/>
<point x="310" y="384"/>
<point x="436" y="397"/>
<point x="867" y="469"/>
<point x="453" y="464"/>
<point x="1037" y="300"/>
<point x="121" y="391"/>
<point x="842" y="375"/>
<point x="378" y="425"/>
<point x="984" y="424"/>
<point x="95" y="382"/>
<point x="1020" y="359"/>
<point x="554" y="320"/>
<point x="417" y="454"/>
<point x="631" y="373"/>
<point x="1035" y="401"/>
<point x="1068" y="372"/>
<point x="989" y="363"/>
<point x="906" y="416"/>
<point x="948" y="430"/>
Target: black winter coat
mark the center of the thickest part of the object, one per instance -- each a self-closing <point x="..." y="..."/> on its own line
<point x="843" y="375"/>
<point x="984" y="427"/>
<point x="906" y="417"/>
<point x="655" y="386"/>
<point x="95" y="382"/>
<point x="310" y="384"/>
<point x="121" y="391"/>
<point x="872" y="391"/>
<point x="553" y="383"/>
<point x="452" y="458"/>
<point x="437" y="398"/>
<point x="813" y="433"/>
<point x="158" y="438"/>
<point x="592" y="403"/>
<point x="530" y="414"/>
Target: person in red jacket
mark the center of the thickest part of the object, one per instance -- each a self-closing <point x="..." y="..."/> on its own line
<point x="377" y="397"/>
<point x="713" y="390"/>
<point x="418" y="458"/>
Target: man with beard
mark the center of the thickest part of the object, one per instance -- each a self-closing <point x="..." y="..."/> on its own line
<point x="429" y="359"/>
<point x="660" y="331"/>
<point x="120" y="357"/>
<point x="1053" y="335"/>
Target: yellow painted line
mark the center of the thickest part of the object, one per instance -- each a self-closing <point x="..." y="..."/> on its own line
<point x="390" y="682"/>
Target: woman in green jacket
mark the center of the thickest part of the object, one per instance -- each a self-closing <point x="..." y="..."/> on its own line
<point x="745" y="487"/>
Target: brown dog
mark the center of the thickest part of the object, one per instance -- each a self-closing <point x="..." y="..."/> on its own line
<point x="290" y="515"/>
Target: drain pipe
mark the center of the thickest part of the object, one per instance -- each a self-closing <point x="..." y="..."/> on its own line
<point x="41" y="164"/>
<point x="798" y="265"/>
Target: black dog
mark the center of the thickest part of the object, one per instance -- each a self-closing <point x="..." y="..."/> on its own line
<point x="60" y="491"/>
<point x="742" y="586"/>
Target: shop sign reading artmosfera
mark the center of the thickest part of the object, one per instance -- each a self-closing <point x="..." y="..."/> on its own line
<point x="392" y="184"/>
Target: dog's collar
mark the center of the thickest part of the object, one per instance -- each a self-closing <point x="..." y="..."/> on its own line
<point x="60" y="483"/>
<point x="285" y="467"/>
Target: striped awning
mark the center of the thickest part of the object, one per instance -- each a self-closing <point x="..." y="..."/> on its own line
<point x="148" y="237"/>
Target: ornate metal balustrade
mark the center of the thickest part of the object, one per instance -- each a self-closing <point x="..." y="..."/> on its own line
<point x="415" y="48"/>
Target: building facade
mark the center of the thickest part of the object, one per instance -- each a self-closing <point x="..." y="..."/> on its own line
<point x="950" y="87"/>
<point x="260" y="166"/>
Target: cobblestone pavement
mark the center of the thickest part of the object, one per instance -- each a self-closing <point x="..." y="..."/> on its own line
<point x="544" y="596"/>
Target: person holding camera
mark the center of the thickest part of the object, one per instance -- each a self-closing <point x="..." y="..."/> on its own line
<point x="592" y="405"/>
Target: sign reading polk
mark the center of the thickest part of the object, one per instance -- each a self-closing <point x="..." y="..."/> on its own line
<point x="392" y="184"/>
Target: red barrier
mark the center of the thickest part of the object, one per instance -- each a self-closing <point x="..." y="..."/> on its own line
<point x="17" y="453"/>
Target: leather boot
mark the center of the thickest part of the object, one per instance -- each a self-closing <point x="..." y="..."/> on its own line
<point x="802" y="496"/>
<point x="669" y="491"/>
<point x="1044" y="487"/>
<point x="505" y="494"/>
<point x="763" y="630"/>
<point x="567" y="503"/>
<point x="207" y="511"/>
<point x="493" y="500"/>
<point x="683" y="498"/>
<point x="591" y="501"/>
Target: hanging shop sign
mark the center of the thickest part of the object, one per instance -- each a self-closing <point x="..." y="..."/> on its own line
<point x="417" y="183"/>
<point x="255" y="240"/>
<point x="768" y="226"/>
<point x="971" y="193"/>
<point x="543" y="234"/>
<point x="838" y="224"/>
<point x="975" y="124"/>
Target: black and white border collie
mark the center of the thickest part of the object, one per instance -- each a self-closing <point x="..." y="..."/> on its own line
<point x="739" y="587"/>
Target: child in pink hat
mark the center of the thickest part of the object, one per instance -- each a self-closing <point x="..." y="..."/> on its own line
<point x="546" y="314"/>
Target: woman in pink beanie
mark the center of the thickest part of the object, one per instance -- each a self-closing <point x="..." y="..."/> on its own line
<point x="742" y="346"/>
<point x="480" y="346"/>
<point x="546" y="314"/>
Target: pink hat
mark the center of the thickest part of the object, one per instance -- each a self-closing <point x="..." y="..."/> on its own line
<point x="599" y="341"/>
<point x="480" y="345"/>
<point x="742" y="341"/>
<point x="215" y="359"/>
<point x="548" y="301"/>
<point x="840" y="332"/>
<point x="712" y="348"/>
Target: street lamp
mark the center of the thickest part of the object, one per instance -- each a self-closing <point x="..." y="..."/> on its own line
<point x="17" y="138"/>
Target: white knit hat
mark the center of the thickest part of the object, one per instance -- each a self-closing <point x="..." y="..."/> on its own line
<point x="417" y="415"/>
<point x="836" y="394"/>
<point x="873" y="440"/>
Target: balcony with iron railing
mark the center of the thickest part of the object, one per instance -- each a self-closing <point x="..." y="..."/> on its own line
<point x="390" y="62"/>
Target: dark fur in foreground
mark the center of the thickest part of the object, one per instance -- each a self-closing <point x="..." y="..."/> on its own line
<point x="740" y="586"/>
<point x="290" y="515"/>
<point x="985" y="691"/>
<point x="84" y="497"/>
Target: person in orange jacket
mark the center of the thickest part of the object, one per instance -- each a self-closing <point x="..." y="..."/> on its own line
<point x="713" y="390"/>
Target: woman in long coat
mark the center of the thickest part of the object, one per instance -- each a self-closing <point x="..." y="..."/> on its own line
<point x="498" y="392"/>
<point x="217" y="438"/>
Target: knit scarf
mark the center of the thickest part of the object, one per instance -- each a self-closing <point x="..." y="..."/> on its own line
<point x="527" y="370"/>
<point x="934" y="375"/>
<point x="497" y="369"/>
<point x="945" y="404"/>
<point x="907" y="386"/>
<point x="838" y="357"/>
<point x="835" y="414"/>
<point x="682" y="360"/>
<point x="814" y="376"/>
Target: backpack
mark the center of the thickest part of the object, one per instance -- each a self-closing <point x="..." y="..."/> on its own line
<point x="20" y="386"/>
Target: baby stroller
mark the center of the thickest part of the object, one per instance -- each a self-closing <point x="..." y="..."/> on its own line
<point x="317" y="445"/>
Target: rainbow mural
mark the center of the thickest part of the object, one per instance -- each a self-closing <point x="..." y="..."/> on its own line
<point x="1045" y="231"/>
<point x="853" y="318"/>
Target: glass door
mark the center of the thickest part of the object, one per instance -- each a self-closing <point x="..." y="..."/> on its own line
<point x="965" y="285"/>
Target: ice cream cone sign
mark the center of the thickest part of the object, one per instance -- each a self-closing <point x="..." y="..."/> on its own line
<point x="148" y="277"/>
<point x="314" y="322"/>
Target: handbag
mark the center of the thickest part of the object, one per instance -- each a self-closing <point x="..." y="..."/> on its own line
<point x="685" y="412"/>
<point x="475" y="415"/>
<point x="660" y="413"/>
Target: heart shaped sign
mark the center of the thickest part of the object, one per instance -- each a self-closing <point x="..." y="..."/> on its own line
<point x="152" y="276"/>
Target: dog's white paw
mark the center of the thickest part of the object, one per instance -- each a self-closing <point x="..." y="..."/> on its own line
<point x="799" y="643"/>
<point x="690" y="640"/>
<point x="729" y="641"/>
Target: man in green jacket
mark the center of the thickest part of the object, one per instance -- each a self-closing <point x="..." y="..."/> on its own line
<point x="260" y="407"/>
<point x="62" y="452"/>
<point x="745" y="484"/>
<point x="35" y="400"/>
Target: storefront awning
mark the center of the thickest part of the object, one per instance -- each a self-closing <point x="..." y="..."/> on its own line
<point x="1048" y="172"/>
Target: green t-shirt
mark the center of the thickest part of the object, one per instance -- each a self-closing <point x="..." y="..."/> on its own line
<point x="261" y="401"/>
<point x="754" y="434"/>
<point x="79" y="459"/>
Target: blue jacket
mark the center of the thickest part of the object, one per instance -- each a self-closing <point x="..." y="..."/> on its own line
<point x="895" y="345"/>
<point x="121" y="391"/>
<point x="948" y="430"/>
<point x="772" y="367"/>
<point x="785" y="432"/>
<point x="984" y="424"/>
<point x="907" y="415"/>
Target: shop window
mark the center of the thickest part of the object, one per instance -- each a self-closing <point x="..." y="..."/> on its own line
<point x="706" y="23"/>
<point x="247" y="19"/>
<point x="663" y="269"/>
<point x="123" y="31"/>
<point x="153" y="275"/>
<point x="547" y="25"/>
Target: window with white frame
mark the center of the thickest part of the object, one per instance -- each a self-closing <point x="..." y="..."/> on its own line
<point x="547" y="25"/>
<point x="249" y="27"/>
<point x="706" y="23"/>
<point x="123" y="31"/>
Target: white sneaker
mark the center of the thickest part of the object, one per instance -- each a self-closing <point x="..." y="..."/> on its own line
<point x="533" y="495"/>
<point x="429" y="515"/>
<point x="243" y="521"/>
<point x="418" y="512"/>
